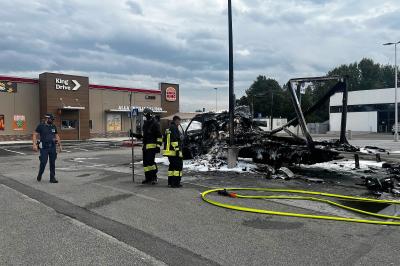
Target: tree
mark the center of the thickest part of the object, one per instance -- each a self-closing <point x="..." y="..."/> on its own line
<point x="260" y="95"/>
<point x="370" y="75"/>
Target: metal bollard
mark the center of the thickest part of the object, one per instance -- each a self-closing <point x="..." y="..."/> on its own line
<point x="378" y="157"/>
<point x="357" y="161"/>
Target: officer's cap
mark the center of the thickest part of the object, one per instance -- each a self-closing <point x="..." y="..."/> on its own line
<point x="50" y="116"/>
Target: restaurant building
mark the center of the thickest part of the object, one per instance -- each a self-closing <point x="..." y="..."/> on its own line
<point x="83" y="110"/>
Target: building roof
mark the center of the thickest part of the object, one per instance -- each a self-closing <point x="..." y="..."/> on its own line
<point x="91" y="86"/>
<point x="18" y="79"/>
<point x="116" y="88"/>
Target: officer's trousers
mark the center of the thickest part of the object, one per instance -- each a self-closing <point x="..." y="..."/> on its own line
<point x="48" y="153"/>
<point x="149" y="165"/>
<point x="175" y="170"/>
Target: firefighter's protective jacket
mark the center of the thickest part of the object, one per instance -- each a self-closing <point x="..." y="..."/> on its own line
<point x="172" y="141"/>
<point x="152" y="137"/>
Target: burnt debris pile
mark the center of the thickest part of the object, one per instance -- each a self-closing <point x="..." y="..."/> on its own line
<point x="211" y="138"/>
<point x="206" y="138"/>
<point x="209" y="130"/>
<point x="390" y="183"/>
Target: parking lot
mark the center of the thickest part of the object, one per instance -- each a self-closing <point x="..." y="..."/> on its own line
<point x="155" y="224"/>
<point x="68" y="147"/>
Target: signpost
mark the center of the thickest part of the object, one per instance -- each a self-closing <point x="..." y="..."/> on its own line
<point x="133" y="113"/>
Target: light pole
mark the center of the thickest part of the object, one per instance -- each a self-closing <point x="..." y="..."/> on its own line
<point x="396" y="131"/>
<point x="216" y="99"/>
<point x="131" y="135"/>
<point x="271" y="112"/>
<point x="231" y="89"/>
<point x="232" y="150"/>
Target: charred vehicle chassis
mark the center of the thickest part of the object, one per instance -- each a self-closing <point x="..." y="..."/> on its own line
<point x="212" y="137"/>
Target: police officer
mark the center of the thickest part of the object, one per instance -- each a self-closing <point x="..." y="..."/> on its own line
<point x="173" y="150"/>
<point x="152" y="141"/>
<point x="49" y="138"/>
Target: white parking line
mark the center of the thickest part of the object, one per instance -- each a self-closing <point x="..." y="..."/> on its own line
<point x="80" y="149"/>
<point x="17" y="152"/>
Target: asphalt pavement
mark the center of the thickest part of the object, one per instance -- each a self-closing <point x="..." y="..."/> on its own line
<point x="97" y="209"/>
<point x="34" y="234"/>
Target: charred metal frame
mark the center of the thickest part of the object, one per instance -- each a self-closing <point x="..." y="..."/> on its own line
<point x="340" y="86"/>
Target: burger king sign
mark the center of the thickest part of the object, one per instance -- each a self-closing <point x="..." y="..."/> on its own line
<point x="170" y="94"/>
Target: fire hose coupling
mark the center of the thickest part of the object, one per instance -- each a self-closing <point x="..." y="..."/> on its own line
<point x="226" y="193"/>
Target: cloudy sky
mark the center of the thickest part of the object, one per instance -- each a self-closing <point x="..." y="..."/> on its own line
<point x="139" y="43"/>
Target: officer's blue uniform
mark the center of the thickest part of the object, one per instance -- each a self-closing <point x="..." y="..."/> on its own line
<point x="47" y="148"/>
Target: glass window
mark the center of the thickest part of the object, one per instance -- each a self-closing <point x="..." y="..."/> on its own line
<point x="194" y="126"/>
<point x="69" y="124"/>
<point x="364" y="108"/>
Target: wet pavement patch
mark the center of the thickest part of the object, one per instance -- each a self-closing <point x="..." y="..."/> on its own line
<point x="374" y="207"/>
<point x="106" y="201"/>
<point x="272" y="225"/>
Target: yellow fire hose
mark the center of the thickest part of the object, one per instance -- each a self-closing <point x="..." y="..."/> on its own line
<point x="225" y="192"/>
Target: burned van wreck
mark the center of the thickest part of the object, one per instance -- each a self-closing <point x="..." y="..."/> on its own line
<point x="209" y="133"/>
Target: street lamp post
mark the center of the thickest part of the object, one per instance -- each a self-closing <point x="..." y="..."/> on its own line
<point x="232" y="150"/>
<point x="271" y="112"/>
<point x="231" y="90"/>
<point x="396" y="131"/>
<point x="216" y="99"/>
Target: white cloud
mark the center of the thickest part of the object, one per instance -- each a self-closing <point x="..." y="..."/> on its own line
<point x="243" y="52"/>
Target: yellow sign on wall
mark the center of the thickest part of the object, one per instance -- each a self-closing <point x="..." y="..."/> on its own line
<point x="114" y="122"/>
<point x="19" y="123"/>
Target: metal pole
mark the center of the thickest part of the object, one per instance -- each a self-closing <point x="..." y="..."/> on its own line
<point x="231" y="90"/>
<point x="133" y="153"/>
<point x="272" y="105"/>
<point x="298" y="126"/>
<point x="396" y="130"/>
<point x="216" y="99"/>
<point x="343" y="123"/>
<point x="300" y="116"/>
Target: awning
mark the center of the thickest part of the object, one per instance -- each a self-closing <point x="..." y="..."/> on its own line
<point x="72" y="108"/>
<point x="126" y="109"/>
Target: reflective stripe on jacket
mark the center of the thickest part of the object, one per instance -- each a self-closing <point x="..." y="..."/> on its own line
<point x="152" y="137"/>
<point x="172" y="142"/>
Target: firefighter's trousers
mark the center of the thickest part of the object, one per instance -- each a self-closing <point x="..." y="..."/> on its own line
<point x="149" y="165"/>
<point x="175" y="170"/>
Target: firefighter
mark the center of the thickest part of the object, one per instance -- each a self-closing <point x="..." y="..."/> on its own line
<point x="152" y="141"/>
<point x="173" y="150"/>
